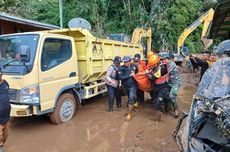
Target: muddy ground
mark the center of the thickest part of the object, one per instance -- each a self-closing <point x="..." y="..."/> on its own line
<point x="94" y="129"/>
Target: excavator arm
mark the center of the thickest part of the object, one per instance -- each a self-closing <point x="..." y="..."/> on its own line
<point x="206" y="19"/>
<point x="140" y="33"/>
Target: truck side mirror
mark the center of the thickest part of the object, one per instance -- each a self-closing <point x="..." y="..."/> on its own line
<point x="24" y="51"/>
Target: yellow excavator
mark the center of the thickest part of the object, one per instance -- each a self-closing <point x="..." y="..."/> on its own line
<point x="140" y="36"/>
<point x="140" y="33"/>
<point x="206" y="18"/>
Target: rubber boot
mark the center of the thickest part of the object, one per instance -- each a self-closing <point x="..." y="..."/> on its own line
<point x="130" y="113"/>
<point x="135" y="106"/>
<point x="176" y="113"/>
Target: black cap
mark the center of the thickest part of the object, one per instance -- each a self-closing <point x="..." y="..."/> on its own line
<point x="137" y="57"/>
<point x="127" y="58"/>
<point x="117" y="60"/>
<point x="206" y="52"/>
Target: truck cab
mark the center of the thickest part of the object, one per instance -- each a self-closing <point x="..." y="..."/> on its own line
<point x="40" y="68"/>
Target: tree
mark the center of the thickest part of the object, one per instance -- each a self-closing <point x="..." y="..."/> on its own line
<point x="171" y="22"/>
<point x="167" y="18"/>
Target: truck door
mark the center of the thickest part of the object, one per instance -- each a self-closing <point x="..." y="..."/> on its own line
<point x="58" y="67"/>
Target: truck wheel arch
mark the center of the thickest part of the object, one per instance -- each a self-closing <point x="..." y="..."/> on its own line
<point x="68" y="89"/>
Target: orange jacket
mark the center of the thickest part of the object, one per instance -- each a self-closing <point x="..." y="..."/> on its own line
<point x="141" y="66"/>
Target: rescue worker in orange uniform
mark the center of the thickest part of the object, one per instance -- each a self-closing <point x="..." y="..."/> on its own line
<point x="141" y="66"/>
<point x="159" y="74"/>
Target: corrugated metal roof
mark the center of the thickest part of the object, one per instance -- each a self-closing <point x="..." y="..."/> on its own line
<point x="6" y="17"/>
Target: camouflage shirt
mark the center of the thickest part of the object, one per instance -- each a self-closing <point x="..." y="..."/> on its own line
<point x="174" y="80"/>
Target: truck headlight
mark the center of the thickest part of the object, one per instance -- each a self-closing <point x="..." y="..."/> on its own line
<point x="30" y="95"/>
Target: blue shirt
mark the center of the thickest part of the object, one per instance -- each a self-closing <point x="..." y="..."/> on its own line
<point x="124" y="75"/>
<point x="4" y="103"/>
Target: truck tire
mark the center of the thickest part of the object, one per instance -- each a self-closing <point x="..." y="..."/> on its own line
<point x="64" y="110"/>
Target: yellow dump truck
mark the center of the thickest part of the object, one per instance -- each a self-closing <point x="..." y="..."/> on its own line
<point x="51" y="72"/>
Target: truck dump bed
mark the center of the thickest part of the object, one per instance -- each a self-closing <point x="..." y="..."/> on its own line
<point x="94" y="54"/>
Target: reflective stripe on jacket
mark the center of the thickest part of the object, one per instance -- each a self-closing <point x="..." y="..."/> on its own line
<point x="165" y="78"/>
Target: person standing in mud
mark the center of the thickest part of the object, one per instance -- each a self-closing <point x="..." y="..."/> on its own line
<point x="126" y="75"/>
<point x="204" y="63"/>
<point x="159" y="74"/>
<point x="4" y="110"/>
<point x="141" y="66"/>
<point x="174" y="83"/>
<point x="112" y="83"/>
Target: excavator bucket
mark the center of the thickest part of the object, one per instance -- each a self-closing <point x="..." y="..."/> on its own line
<point x="207" y="43"/>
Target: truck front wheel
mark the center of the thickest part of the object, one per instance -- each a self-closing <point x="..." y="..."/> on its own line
<point x="65" y="109"/>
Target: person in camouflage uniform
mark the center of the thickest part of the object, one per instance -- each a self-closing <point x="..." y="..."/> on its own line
<point x="188" y="65"/>
<point x="174" y="83"/>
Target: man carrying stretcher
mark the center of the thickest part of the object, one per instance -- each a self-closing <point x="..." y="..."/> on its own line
<point x="156" y="79"/>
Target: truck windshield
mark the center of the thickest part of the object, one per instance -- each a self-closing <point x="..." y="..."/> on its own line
<point x="10" y="52"/>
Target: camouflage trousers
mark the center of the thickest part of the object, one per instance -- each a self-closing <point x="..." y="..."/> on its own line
<point x="4" y="128"/>
<point x="172" y="105"/>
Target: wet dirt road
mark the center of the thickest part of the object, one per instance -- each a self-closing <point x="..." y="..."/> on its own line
<point x="94" y="129"/>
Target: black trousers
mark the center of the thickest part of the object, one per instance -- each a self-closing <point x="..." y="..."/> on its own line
<point x="161" y="95"/>
<point x="140" y="96"/>
<point x="112" y="94"/>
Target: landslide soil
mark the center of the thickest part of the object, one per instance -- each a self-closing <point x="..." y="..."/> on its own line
<point x="93" y="129"/>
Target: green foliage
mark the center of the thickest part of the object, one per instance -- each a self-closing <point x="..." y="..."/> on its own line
<point x="170" y="24"/>
<point x="8" y="5"/>
<point x="167" y="18"/>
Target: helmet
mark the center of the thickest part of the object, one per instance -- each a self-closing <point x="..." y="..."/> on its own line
<point x="150" y="54"/>
<point x="163" y="55"/>
<point x="152" y="60"/>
